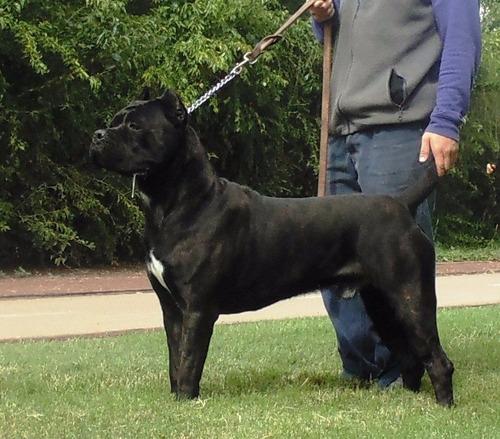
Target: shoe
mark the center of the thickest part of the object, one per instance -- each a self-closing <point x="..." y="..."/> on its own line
<point x="396" y="384"/>
<point x="346" y="376"/>
<point x="354" y="380"/>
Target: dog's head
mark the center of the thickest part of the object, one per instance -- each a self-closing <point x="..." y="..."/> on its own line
<point x="142" y="136"/>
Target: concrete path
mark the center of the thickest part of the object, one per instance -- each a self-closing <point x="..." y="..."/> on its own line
<point x="86" y="314"/>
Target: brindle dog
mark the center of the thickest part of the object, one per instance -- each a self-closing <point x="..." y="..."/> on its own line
<point x="215" y="247"/>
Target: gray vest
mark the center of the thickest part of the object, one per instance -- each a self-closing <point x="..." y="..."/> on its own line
<point x="386" y="64"/>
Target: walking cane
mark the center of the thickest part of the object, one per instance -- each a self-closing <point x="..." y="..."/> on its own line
<point x="325" y="106"/>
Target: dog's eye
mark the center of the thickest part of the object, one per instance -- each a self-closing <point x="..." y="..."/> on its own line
<point x="134" y="126"/>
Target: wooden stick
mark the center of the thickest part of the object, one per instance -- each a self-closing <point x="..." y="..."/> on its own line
<point x="325" y="107"/>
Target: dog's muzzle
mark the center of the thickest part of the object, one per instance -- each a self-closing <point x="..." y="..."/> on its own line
<point x="98" y="139"/>
<point x="98" y="144"/>
<point x="99" y="135"/>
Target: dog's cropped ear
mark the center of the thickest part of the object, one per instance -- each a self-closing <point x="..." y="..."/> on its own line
<point x="145" y="94"/>
<point x="174" y="108"/>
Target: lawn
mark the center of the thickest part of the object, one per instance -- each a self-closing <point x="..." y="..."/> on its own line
<point x="261" y="380"/>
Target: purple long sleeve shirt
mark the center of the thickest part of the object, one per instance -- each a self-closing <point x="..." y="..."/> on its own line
<point x="458" y="25"/>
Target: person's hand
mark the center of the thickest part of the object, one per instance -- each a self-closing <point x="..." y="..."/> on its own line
<point x="322" y="10"/>
<point x="491" y="168"/>
<point x="444" y="150"/>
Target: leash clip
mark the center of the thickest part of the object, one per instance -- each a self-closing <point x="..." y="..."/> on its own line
<point x="250" y="57"/>
<point x="238" y="68"/>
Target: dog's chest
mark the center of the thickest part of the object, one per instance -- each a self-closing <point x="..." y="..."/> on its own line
<point x="156" y="268"/>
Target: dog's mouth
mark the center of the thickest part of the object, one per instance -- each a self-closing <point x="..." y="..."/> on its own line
<point x="121" y="166"/>
<point x="95" y="155"/>
<point x="99" y="154"/>
<point x="112" y="158"/>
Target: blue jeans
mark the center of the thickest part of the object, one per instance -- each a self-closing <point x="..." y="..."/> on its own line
<point x="382" y="160"/>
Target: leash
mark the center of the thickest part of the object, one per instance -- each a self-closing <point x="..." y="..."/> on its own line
<point x="251" y="57"/>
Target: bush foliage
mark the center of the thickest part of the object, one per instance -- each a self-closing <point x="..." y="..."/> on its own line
<point x="66" y="67"/>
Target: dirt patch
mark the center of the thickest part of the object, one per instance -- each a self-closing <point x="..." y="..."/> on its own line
<point x="467" y="267"/>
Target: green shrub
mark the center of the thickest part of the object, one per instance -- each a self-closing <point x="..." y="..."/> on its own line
<point x="66" y="67"/>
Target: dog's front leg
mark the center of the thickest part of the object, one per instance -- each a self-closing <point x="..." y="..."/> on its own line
<point x="197" y="329"/>
<point x="172" y="322"/>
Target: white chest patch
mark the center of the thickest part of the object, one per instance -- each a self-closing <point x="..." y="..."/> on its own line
<point x="156" y="268"/>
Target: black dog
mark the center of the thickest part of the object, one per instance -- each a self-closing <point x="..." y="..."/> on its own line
<point x="215" y="247"/>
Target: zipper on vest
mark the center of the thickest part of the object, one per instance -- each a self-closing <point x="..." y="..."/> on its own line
<point x="341" y="114"/>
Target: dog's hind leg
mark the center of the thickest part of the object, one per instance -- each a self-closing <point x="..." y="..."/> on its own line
<point x="419" y="320"/>
<point x="393" y="336"/>
<point x="414" y="305"/>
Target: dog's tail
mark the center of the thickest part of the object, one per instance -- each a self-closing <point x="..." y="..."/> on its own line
<point x="413" y="196"/>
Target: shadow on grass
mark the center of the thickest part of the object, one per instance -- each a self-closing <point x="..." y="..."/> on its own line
<point x="252" y="381"/>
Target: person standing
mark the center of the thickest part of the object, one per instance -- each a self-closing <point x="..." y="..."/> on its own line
<point x="402" y="75"/>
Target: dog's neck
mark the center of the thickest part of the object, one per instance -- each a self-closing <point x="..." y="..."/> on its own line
<point x="188" y="175"/>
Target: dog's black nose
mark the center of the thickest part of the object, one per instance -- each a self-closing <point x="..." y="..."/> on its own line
<point x="99" y="134"/>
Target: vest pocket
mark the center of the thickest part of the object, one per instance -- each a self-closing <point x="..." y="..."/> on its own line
<point x="397" y="89"/>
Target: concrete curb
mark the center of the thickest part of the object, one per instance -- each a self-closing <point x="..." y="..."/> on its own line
<point x="111" y="314"/>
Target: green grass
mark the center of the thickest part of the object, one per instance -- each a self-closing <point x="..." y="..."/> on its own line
<point x="490" y="252"/>
<point x="261" y="380"/>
